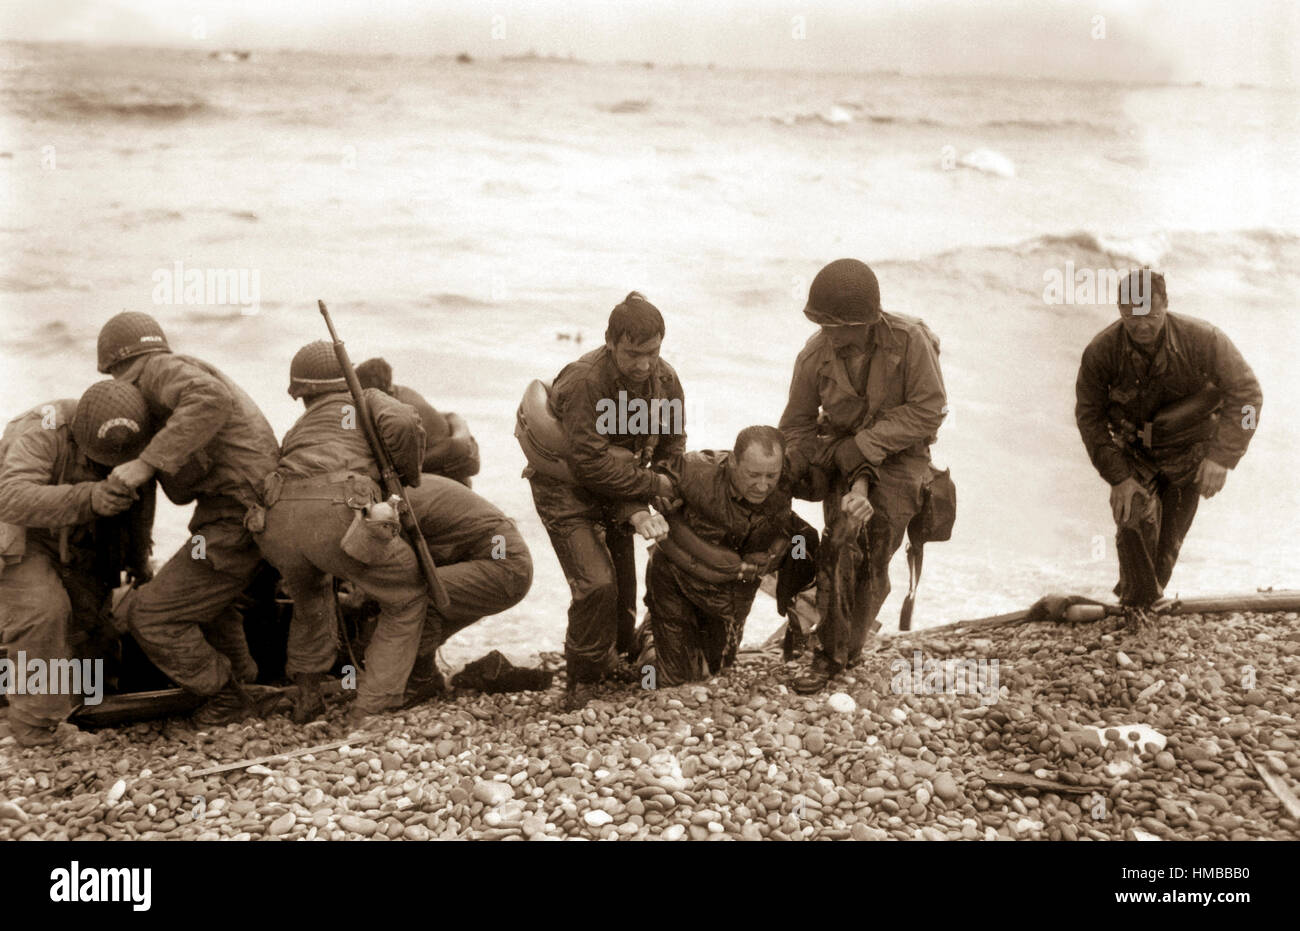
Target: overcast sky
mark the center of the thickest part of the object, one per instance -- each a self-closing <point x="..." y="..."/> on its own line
<point x="1215" y="41"/>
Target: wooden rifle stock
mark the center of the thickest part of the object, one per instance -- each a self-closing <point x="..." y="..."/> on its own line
<point x="388" y="472"/>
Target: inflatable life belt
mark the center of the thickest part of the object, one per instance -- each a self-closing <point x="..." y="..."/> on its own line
<point x="712" y="562"/>
<point x="542" y="438"/>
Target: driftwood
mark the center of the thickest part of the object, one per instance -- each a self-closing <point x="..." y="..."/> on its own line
<point x="1008" y="780"/>
<point x="1280" y="789"/>
<point x="287" y="755"/>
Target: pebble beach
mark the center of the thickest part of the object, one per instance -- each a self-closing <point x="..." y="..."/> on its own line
<point x="1091" y="732"/>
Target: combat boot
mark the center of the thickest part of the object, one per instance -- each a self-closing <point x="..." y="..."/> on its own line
<point x="308" y="704"/>
<point x="425" y="681"/>
<point x="228" y="706"/>
<point x="819" y="675"/>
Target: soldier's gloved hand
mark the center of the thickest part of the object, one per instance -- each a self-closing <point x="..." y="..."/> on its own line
<point x="651" y="526"/>
<point x="134" y="473"/>
<point x="1210" y="477"/>
<point x="105" y="500"/>
<point x="1122" y="504"/>
<point x="848" y="457"/>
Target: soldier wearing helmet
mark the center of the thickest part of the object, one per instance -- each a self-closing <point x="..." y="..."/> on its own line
<point x="866" y="401"/>
<point x="68" y="532"/>
<point x="212" y="447"/>
<point x="325" y="480"/>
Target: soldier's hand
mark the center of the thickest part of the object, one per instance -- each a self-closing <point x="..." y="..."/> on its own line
<point x="133" y="474"/>
<point x="1121" y="499"/>
<point x="1210" y="478"/>
<point x="651" y="526"/>
<point x="105" y="500"/>
<point x="856" y="506"/>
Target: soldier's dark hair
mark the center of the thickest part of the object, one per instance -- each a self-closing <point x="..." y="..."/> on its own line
<point x="376" y="373"/>
<point x="1140" y="285"/>
<point x="769" y="440"/>
<point x="636" y="319"/>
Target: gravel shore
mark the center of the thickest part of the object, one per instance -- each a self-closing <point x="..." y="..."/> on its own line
<point x="1154" y="735"/>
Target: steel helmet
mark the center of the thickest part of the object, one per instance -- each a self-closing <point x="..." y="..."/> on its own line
<point x="315" y="370"/>
<point x="111" y="424"/>
<point x="844" y="292"/>
<point x="127" y="335"/>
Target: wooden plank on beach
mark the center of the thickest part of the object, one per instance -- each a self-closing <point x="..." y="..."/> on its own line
<point x="1010" y="780"/>
<point x="287" y="755"/>
<point x="1279" y="788"/>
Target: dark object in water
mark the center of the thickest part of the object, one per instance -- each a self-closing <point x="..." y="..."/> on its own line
<point x="464" y="58"/>
<point x="495" y="673"/>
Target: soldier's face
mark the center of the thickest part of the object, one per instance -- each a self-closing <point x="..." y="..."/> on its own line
<point x="1144" y="322"/>
<point x="635" y="361"/>
<point x="844" y="336"/>
<point x="756" y="473"/>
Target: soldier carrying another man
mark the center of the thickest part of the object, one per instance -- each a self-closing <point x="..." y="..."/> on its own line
<point x="212" y="447"/>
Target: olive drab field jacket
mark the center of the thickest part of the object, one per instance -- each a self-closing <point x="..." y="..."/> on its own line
<point x="901" y="410"/>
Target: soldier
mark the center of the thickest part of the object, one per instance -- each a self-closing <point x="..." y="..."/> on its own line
<point x="1166" y="406"/>
<point x="450" y="448"/>
<point x="620" y="408"/>
<point x="326" y="478"/>
<point x="865" y="403"/>
<point x="69" y="532"/>
<point x="213" y="447"/>
<point x="483" y="563"/>
<point x="735" y="525"/>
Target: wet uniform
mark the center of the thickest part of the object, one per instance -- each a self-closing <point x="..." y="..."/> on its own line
<point x="456" y="457"/>
<point x="697" y="625"/>
<point x="891" y="400"/>
<point x="326" y="472"/>
<point x="1120" y="386"/>
<point x="61" y="561"/>
<point x="213" y="447"/>
<point x="587" y="522"/>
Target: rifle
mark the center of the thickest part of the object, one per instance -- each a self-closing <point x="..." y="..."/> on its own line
<point x="388" y="472"/>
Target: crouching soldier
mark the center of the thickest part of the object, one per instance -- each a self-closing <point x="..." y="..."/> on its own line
<point x="68" y="533"/>
<point x="450" y="449"/>
<point x="316" y="527"/>
<point x="618" y="415"/>
<point x="213" y="447"/>
<point x="483" y="563"/>
<point x="734" y="525"/>
<point x="866" y="401"/>
<point x="1166" y="406"/>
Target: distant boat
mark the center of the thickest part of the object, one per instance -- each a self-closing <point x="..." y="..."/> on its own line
<point x="230" y="55"/>
<point x="464" y="58"/>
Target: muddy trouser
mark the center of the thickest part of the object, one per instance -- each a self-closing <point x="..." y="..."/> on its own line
<point x="599" y="562"/>
<point x="895" y="496"/>
<point x="41" y="606"/>
<point x="1149" y="543"/>
<point x="303" y="537"/>
<point x="488" y="582"/>
<point x="697" y="626"/>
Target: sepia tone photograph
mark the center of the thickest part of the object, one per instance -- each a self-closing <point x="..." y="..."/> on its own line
<point x="649" y="421"/>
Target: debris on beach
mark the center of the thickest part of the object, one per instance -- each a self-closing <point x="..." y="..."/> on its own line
<point x="1067" y="742"/>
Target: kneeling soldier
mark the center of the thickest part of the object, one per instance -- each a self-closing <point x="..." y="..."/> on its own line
<point x="483" y="563"/>
<point x="735" y="525"/>
<point x="319" y="500"/>
<point x="69" y="532"/>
